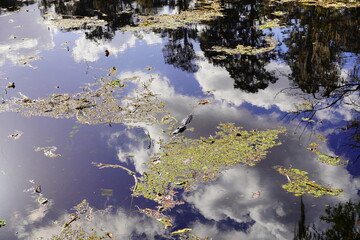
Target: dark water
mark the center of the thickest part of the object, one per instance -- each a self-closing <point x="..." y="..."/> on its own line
<point x="317" y="61"/>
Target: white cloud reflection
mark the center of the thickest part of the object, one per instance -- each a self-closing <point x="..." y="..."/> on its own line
<point x="90" y="50"/>
<point x="24" y="37"/>
<point x="275" y="211"/>
<point x="120" y="224"/>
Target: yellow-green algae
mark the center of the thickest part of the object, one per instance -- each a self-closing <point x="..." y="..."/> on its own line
<point x="299" y="184"/>
<point x="248" y="50"/>
<point x="184" y="162"/>
<point x="325" y="3"/>
<point x="100" y="102"/>
<point x="325" y="158"/>
<point x="204" y="11"/>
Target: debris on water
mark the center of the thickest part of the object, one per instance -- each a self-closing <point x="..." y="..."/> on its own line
<point x="2" y="223"/>
<point x="38" y="189"/>
<point x="43" y="200"/>
<point x="163" y="219"/>
<point x="26" y="61"/>
<point x="187" y="120"/>
<point x="16" y="135"/>
<point x="48" y="151"/>
<point x="204" y="102"/>
<point x="11" y="85"/>
<point x="71" y="220"/>
<point x="107" y="53"/>
<point x="148" y="68"/>
<point x="109" y="235"/>
<point x="179" y="129"/>
<point x="255" y="194"/>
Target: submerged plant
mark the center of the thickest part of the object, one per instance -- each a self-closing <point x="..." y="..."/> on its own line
<point x="299" y="184"/>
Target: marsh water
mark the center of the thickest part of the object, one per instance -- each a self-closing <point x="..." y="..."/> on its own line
<point x="307" y="82"/>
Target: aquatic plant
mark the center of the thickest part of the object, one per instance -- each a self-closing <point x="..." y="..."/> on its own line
<point x="248" y="50"/>
<point x="325" y="3"/>
<point x="75" y="23"/>
<point x="299" y="184"/>
<point x="100" y="102"/>
<point x="78" y="232"/>
<point x="204" y="11"/>
<point x="184" y="162"/>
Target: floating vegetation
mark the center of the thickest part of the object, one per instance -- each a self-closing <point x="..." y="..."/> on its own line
<point x="204" y="11"/>
<point x="299" y="184"/>
<point x="325" y="3"/>
<point x="100" y="102"/>
<point x="269" y="24"/>
<point x="11" y="85"/>
<point x="186" y="234"/>
<point x="38" y="189"/>
<point x="162" y="218"/>
<point x="16" y="135"/>
<point x="307" y="119"/>
<point x="247" y="50"/>
<point x="305" y="106"/>
<point x="26" y="61"/>
<point x="2" y="223"/>
<point x="184" y="162"/>
<point x="48" y="151"/>
<point x="278" y="13"/>
<point x="203" y="102"/>
<point x="43" y="200"/>
<point x="78" y="232"/>
<point x="321" y="137"/>
<point x="73" y="23"/>
<point x="325" y="158"/>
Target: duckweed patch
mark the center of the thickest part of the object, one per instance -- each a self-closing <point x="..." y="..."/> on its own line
<point x="74" y="23"/>
<point x="101" y="102"/>
<point x="325" y="3"/>
<point x="48" y="151"/>
<point x="325" y="158"/>
<point x="247" y="50"/>
<point x="184" y="162"/>
<point x="300" y="184"/>
<point x="204" y="11"/>
<point x="269" y="24"/>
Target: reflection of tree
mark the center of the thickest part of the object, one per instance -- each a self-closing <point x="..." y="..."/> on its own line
<point x="323" y="54"/>
<point x="342" y="223"/>
<point x="235" y="28"/>
<point x="11" y="5"/>
<point x="316" y="45"/>
<point x="301" y="230"/>
<point x="179" y="50"/>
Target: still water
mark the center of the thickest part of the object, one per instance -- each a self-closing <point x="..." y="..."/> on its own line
<point x="301" y="71"/>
